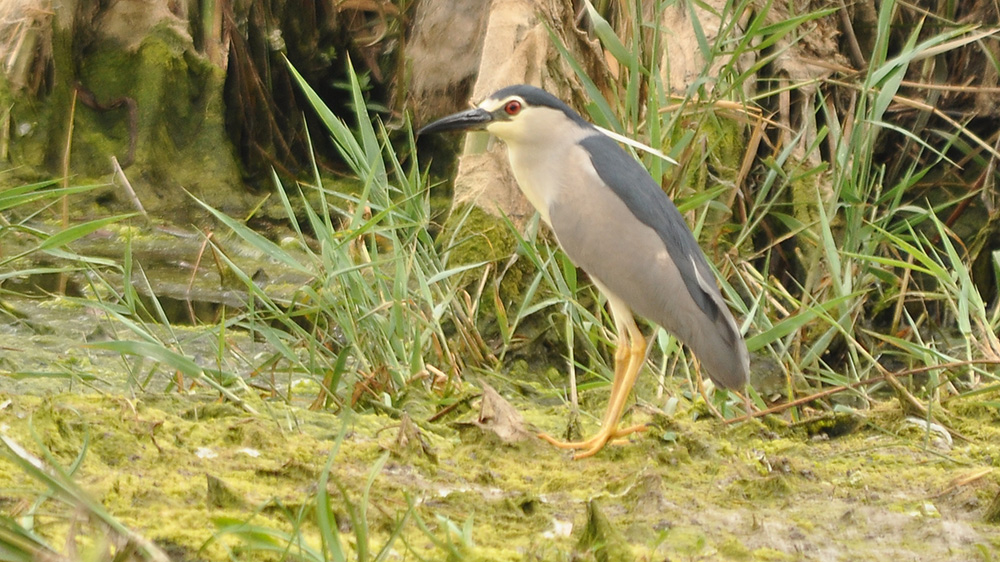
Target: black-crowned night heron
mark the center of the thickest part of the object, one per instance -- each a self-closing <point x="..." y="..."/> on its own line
<point x="618" y="225"/>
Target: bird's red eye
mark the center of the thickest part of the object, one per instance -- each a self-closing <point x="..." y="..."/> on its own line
<point x="512" y="107"/>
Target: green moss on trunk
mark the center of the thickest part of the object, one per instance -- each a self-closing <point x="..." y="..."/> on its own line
<point x="180" y="142"/>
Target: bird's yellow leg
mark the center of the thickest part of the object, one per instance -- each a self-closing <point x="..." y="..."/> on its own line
<point x="616" y="403"/>
<point x="629" y="357"/>
<point x="623" y="358"/>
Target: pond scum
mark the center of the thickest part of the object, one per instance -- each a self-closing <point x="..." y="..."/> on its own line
<point x="205" y="480"/>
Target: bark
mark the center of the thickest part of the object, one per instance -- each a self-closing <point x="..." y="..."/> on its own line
<point x="444" y="52"/>
<point x="682" y="62"/>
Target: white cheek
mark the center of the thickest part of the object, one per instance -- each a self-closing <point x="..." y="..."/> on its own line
<point x="503" y="129"/>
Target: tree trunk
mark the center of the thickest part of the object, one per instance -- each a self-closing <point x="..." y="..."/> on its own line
<point x="444" y="52"/>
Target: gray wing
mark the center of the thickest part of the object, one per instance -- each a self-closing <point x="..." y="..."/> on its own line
<point x="635" y="242"/>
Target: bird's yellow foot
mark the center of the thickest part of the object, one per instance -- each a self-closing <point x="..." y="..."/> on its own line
<point x="594" y="444"/>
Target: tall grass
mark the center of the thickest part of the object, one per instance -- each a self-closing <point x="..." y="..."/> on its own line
<point x="382" y="296"/>
<point x="381" y="307"/>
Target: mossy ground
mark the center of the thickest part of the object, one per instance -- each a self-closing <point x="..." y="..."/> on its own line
<point x="169" y="464"/>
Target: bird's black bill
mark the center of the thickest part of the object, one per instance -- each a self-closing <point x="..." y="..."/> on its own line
<point x="465" y="120"/>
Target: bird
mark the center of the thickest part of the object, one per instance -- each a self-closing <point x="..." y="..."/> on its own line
<point x="618" y="225"/>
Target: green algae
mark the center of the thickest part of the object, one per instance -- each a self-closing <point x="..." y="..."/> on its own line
<point x="706" y="504"/>
<point x="601" y="539"/>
